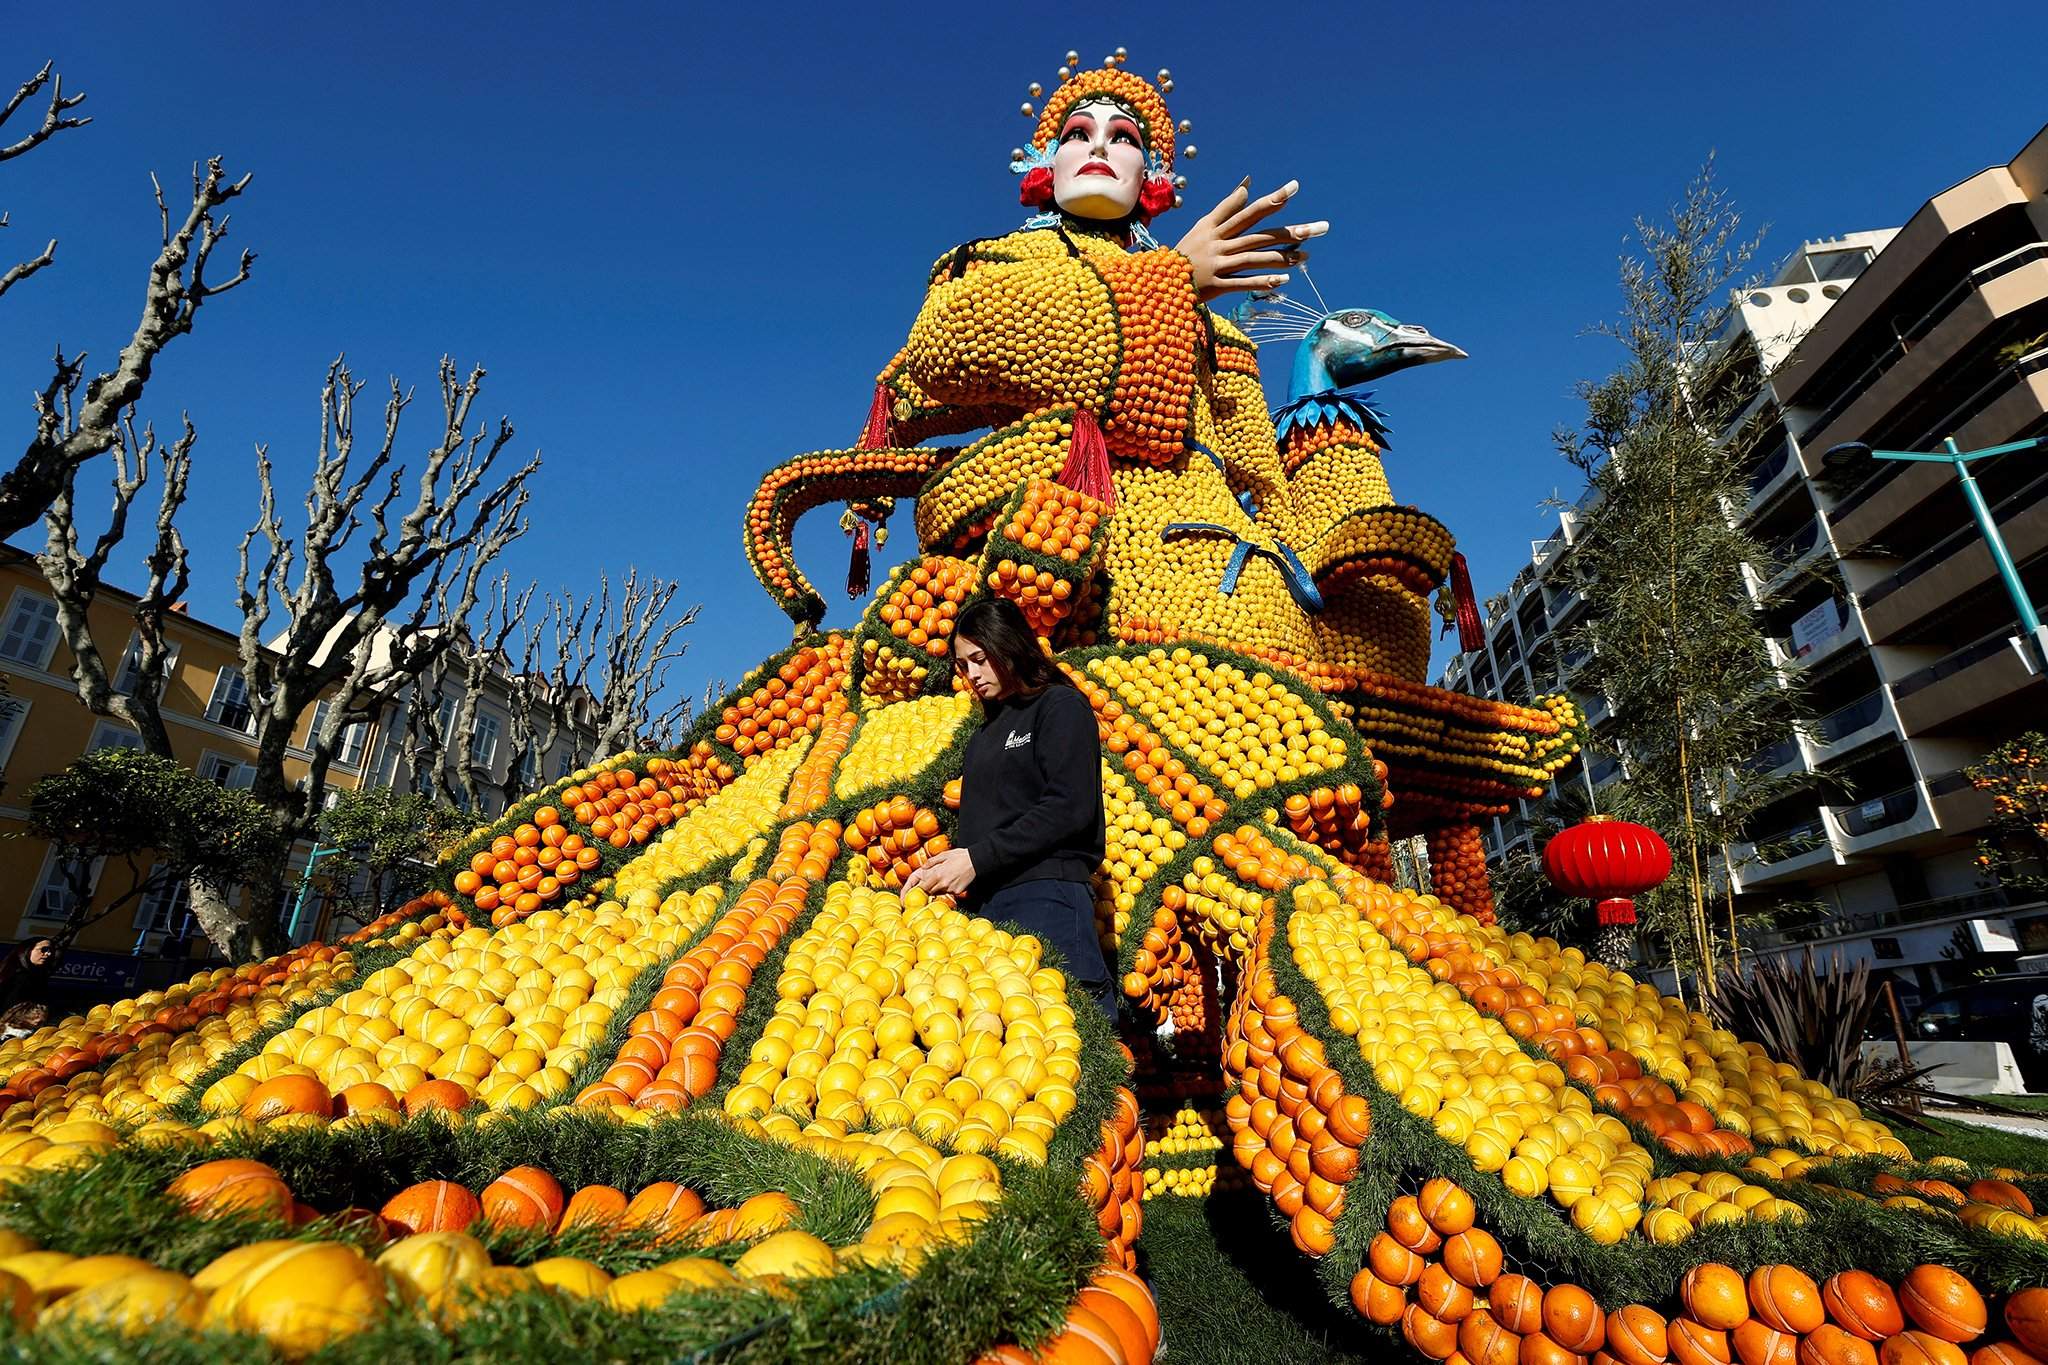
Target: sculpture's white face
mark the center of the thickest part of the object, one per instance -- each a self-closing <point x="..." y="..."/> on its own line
<point x="1098" y="162"/>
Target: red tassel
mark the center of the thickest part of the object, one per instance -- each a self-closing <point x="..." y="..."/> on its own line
<point x="857" y="562"/>
<point x="877" y="434"/>
<point x="1618" y="910"/>
<point x="1087" y="466"/>
<point x="1470" y="635"/>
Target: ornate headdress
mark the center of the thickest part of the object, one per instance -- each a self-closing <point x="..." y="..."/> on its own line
<point x="1147" y="104"/>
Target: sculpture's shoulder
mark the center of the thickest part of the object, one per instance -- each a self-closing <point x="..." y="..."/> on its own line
<point x="1025" y="244"/>
<point x="1234" y="350"/>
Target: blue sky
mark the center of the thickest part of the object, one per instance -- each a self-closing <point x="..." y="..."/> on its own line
<point x="683" y="240"/>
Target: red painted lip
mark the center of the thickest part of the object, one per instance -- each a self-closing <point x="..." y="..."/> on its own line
<point x="1099" y="168"/>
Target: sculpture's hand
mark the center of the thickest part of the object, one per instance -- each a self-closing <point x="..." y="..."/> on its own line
<point x="1222" y="244"/>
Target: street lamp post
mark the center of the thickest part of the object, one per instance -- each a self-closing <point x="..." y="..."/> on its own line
<point x="1959" y="460"/>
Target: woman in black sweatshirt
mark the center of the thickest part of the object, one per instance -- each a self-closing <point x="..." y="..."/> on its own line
<point x="1031" y="827"/>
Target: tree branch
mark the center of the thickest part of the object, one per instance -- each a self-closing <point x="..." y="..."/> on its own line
<point x="69" y="433"/>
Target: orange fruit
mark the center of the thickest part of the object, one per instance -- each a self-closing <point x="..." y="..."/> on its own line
<point x="1446" y="1206"/>
<point x="1637" y="1335"/>
<point x="1376" y="1300"/>
<point x="1920" y="1348"/>
<point x="2026" y="1315"/>
<point x="363" y="1097"/>
<point x="1433" y="1337"/>
<point x="432" y="1206"/>
<point x="1441" y="1296"/>
<point x="1572" y="1318"/>
<point x="1692" y="1344"/>
<point x="1485" y="1342"/>
<point x="1943" y="1303"/>
<point x="1473" y="1257"/>
<point x="233" y="1185"/>
<point x="1393" y="1262"/>
<point x="1130" y="1332"/>
<point x="281" y="1095"/>
<point x="1714" y="1297"/>
<point x="523" y="1197"/>
<point x="596" y="1205"/>
<point x="1785" y="1298"/>
<point x="1517" y="1301"/>
<point x="1137" y="1296"/>
<point x="1758" y="1343"/>
<point x="1408" y="1226"/>
<point x="430" y="1095"/>
<point x="1828" y="1344"/>
<point x="1084" y="1340"/>
<point x="2002" y="1353"/>
<point x="1864" y="1306"/>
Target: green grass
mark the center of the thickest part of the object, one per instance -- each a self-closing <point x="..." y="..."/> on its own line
<point x="1233" y="1289"/>
<point x="1977" y="1144"/>
<point x="2018" y="1104"/>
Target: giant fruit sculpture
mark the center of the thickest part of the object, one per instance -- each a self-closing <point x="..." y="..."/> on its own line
<point x="668" y="1067"/>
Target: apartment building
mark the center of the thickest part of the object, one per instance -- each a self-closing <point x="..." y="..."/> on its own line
<point x="1891" y="611"/>
<point x="206" y="708"/>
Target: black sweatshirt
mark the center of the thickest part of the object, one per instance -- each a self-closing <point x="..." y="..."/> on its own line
<point x="1031" y="792"/>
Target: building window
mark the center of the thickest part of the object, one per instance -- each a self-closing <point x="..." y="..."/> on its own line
<point x="1838" y="265"/>
<point x="108" y="735"/>
<point x="13" y="717"/>
<point x="226" y="771"/>
<point x="444" y="719"/>
<point x="385" y="773"/>
<point x="55" y="899"/>
<point x="229" y="704"/>
<point x="349" y="752"/>
<point x="164" y="906"/>
<point x="566" y="763"/>
<point x="128" y="676"/>
<point x="30" y="636"/>
<point x="483" y="741"/>
<point x="529" y="769"/>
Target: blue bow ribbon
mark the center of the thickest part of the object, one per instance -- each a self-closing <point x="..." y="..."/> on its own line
<point x="1292" y="571"/>
<point x="1244" y="497"/>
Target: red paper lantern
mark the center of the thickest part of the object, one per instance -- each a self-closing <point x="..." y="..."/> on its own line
<point x="1612" y="861"/>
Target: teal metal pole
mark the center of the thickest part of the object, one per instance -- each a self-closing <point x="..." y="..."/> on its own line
<point x="2000" y="556"/>
<point x="305" y="880"/>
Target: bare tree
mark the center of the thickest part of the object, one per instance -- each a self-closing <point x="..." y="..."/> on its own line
<point x="624" y="661"/>
<point x="72" y="428"/>
<point x="74" y="579"/>
<point x="357" y="649"/>
<point x="56" y="118"/>
<point x="483" y="655"/>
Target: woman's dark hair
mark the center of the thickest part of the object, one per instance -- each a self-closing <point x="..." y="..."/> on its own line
<point x="999" y="627"/>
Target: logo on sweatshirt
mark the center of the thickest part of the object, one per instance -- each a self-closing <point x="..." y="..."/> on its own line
<point x="1017" y="741"/>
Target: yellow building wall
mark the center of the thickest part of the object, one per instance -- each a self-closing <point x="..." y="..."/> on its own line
<point x="57" y="728"/>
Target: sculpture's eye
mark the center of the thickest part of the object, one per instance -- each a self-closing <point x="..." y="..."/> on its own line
<point x="1352" y="319"/>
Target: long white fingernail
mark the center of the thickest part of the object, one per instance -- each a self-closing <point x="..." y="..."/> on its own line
<point x="1290" y="187"/>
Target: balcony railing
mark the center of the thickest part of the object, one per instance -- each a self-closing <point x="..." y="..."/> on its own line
<point x="1869" y="921"/>
<point x="1785" y="556"/>
<point x="1951" y="664"/>
<point x="1769" y="760"/>
<point x="1793" y="841"/>
<point x="1773" y="466"/>
<point x="1963" y="536"/>
<point x="1865" y="711"/>
<point x="1879" y="812"/>
<point x="1970" y="283"/>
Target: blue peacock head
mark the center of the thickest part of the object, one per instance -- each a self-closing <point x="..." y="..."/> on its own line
<point x="1337" y="351"/>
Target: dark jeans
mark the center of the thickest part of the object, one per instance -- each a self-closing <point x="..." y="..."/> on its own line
<point x="1062" y="915"/>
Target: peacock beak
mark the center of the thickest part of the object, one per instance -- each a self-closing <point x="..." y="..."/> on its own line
<point x="1417" y="346"/>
